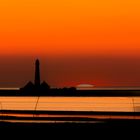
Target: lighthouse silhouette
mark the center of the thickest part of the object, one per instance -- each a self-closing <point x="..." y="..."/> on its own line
<point x="37" y="73"/>
<point x="37" y="87"/>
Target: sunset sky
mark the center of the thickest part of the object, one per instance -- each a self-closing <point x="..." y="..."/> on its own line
<point x="77" y="41"/>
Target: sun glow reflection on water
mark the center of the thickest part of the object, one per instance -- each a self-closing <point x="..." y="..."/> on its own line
<point x="115" y="104"/>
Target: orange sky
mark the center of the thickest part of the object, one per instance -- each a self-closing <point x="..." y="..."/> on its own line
<point x="79" y="29"/>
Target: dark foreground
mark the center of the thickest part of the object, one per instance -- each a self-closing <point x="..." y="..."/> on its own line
<point x="71" y="126"/>
<point x="99" y="129"/>
<point x="116" y="129"/>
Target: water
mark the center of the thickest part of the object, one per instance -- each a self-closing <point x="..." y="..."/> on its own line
<point x="115" y="104"/>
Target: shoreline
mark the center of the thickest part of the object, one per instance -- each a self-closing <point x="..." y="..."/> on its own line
<point x="76" y="93"/>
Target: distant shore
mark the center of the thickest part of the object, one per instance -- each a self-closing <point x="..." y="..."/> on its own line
<point x="76" y="93"/>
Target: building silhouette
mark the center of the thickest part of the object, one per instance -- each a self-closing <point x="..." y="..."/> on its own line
<point x="42" y="88"/>
<point x="37" y="87"/>
<point x="37" y="73"/>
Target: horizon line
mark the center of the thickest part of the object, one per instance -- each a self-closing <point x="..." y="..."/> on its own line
<point x="84" y="88"/>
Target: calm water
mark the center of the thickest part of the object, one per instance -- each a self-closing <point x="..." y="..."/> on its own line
<point x="124" y="104"/>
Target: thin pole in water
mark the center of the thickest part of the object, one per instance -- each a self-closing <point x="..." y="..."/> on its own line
<point x="36" y="105"/>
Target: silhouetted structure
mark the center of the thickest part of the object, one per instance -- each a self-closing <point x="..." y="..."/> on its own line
<point x="38" y="88"/>
<point x="37" y="73"/>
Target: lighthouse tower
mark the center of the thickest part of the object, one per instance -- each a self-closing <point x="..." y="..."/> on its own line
<point x="37" y="73"/>
<point x="36" y="88"/>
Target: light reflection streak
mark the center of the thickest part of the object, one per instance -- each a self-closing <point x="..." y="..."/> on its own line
<point x="124" y="104"/>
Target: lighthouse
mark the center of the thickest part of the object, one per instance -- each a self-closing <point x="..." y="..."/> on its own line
<point x="37" y="73"/>
<point x="38" y="87"/>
